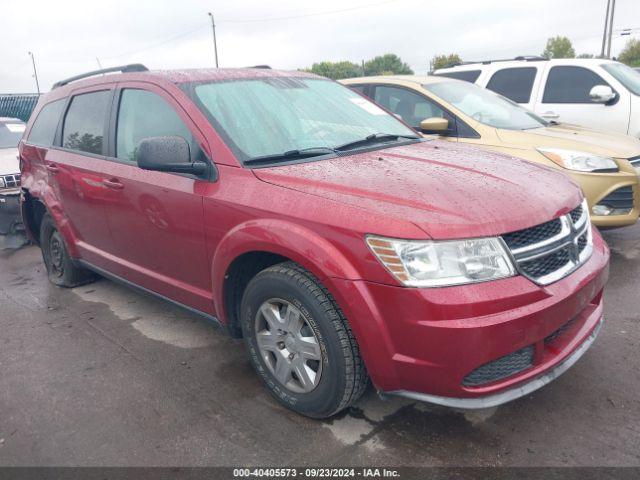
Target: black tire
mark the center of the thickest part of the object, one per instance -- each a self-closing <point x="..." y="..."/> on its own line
<point x="343" y="377"/>
<point x="60" y="268"/>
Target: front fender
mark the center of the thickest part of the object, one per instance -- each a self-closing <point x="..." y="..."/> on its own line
<point x="290" y="240"/>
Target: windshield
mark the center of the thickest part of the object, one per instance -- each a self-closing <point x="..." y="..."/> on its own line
<point x="269" y="116"/>
<point x="627" y="76"/>
<point x="10" y="134"/>
<point x="486" y="106"/>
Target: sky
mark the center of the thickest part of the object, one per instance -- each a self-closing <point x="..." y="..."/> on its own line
<point x="68" y="37"/>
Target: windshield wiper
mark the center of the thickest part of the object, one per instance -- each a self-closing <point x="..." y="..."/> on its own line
<point x="373" y="139"/>
<point x="291" y="155"/>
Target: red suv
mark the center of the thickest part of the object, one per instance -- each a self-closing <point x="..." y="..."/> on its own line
<point x="306" y="219"/>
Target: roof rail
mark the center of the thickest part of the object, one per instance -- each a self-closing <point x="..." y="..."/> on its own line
<point x="133" y="67"/>
<point x="531" y="58"/>
<point x="522" y="58"/>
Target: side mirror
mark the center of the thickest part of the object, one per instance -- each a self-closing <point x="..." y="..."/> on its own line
<point x="167" y="154"/>
<point x="602" y="94"/>
<point x="434" y="125"/>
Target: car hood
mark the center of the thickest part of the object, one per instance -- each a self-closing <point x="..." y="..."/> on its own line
<point x="573" y="137"/>
<point x="9" y="164"/>
<point x="449" y="191"/>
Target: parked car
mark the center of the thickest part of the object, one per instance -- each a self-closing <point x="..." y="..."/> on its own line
<point x="458" y="111"/>
<point x="11" y="130"/>
<point x="596" y="93"/>
<point x="301" y="216"/>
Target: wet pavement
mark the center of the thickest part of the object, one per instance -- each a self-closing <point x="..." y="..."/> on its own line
<point x="101" y="375"/>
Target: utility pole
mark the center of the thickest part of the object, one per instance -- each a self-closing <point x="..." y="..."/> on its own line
<point x="215" y="45"/>
<point x="35" y="72"/>
<point x="363" y="71"/>
<point x="613" y="8"/>
<point x="604" y="33"/>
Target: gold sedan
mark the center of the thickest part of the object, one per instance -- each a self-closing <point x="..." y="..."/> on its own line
<point x="602" y="163"/>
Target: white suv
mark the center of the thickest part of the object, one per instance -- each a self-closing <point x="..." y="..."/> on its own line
<point x="594" y="93"/>
<point x="11" y="130"/>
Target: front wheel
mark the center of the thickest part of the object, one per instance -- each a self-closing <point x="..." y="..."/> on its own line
<point x="299" y="342"/>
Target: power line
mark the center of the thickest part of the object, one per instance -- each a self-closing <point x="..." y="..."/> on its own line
<point x="157" y="44"/>
<point x="254" y="20"/>
<point x="306" y="15"/>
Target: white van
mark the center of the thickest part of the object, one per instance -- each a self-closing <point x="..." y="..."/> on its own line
<point x="595" y="93"/>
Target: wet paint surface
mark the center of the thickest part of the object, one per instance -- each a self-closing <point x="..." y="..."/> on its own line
<point x="450" y="191"/>
<point x="101" y="375"/>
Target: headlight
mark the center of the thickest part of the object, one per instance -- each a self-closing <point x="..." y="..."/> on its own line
<point x="443" y="263"/>
<point x="581" y="161"/>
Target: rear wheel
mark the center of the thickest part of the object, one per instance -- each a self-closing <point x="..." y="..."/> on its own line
<point x="60" y="268"/>
<point x="300" y="343"/>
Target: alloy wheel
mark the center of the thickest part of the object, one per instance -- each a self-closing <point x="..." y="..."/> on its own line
<point x="288" y="345"/>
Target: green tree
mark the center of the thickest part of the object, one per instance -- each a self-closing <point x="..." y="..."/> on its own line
<point x="336" y="70"/>
<point x="388" y="64"/>
<point x="559" y="47"/>
<point x="630" y="54"/>
<point x="444" y="61"/>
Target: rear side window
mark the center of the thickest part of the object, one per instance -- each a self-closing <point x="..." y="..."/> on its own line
<point x="514" y="83"/>
<point x="44" y="127"/>
<point x="466" y="75"/>
<point x="144" y="114"/>
<point x="84" y="123"/>
<point x="410" y="106"/>
<point x="569" y="84"/>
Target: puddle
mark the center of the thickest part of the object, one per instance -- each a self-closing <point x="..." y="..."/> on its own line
<point x="155" y="319"/>
<point x="360" y="421"/>
<point x="350" y="430"/>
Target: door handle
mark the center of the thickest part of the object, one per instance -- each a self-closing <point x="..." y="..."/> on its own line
<point x="52" y="167"/>
<point x="549" y="115"/>
<point x="113" y="184"/>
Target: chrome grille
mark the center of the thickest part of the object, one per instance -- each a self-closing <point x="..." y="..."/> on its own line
<point x="550" y="251"/>
<point x="11" y="181"/>
<point x="576" y="213"/>
<point x="541" y="232"/>
<point x="582" y="242"/>
<point x="540" y="267"/>
<point x="501" y="368"/>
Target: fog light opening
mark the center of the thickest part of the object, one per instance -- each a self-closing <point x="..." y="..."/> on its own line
<point x="607" y="211"/>
<point x="602" y="210"/>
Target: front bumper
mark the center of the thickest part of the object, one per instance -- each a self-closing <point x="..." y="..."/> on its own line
<point x="423" y="343"/>
<point x="597" y="187"/>
<point x="510" y="394"/>
<point x="9" y="210"/>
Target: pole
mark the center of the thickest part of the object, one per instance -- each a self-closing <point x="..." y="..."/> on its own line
<point x="613" y="8"/>
<point x="363" y="71"/>
<point x="604" y="33"/>
<point x="215" y="44"/>
<point x="35" y="72"/>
